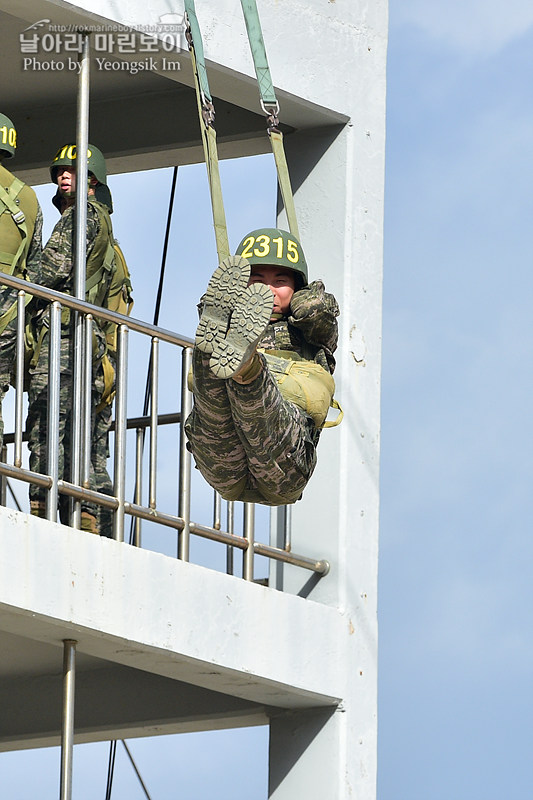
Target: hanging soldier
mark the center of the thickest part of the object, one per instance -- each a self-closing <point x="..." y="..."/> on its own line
<point x="262" y="371"/>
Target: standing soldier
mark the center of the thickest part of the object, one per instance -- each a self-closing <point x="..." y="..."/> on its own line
<point x="21" y="223"/>
<point x="58" y="274"/>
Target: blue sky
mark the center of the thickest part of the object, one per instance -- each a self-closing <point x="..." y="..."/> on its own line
<point x="456" y="688"/>
<point x="456" y="552"/>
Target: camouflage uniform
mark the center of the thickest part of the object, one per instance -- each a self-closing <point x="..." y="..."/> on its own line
<point x="8" y="296"/>
<point x="249" y="442"/>
<point x="58" y="274"/>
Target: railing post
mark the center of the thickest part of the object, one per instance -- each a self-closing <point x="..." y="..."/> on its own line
<point x="87" y="400"/>
<point x="3" y="479"/>
<point x="230" y="551"/>
<point x="184" y="503"/>
<point x="120" y="432"/>
<point x="139" y="441"/>
<point x="248" y="555"/>
<point x="54" y="381"/>
<point x="217" y="507"/>
<point x="19" y="377"/>
<point x="152" y="501"/>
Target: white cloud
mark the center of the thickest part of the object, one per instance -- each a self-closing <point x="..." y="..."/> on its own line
<point x="476" y="26"/>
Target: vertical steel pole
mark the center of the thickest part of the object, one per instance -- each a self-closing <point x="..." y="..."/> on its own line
<point x="138" y="483"/>
<point x="248" y="555"/>
<point x="19" y="377"/>
<point x="67" y="731"/>
<point x="120" y="432"/>
<point x="153" y="420"/>
<point x="87" y="397"/>
<point x="82" y="141"/>
<point x="80" y="265"/>
<point x="52" y="440"/>
<point x="184" y="507"/>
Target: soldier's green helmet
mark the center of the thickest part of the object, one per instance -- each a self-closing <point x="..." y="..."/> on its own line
<point x="8" y="136"/>
<point x="275" y="247"/>
<point x="66" y="157"/>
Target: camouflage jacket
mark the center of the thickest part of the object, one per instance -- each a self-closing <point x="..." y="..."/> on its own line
<point x="57" y="269"/>
<point x="310" y="329"/>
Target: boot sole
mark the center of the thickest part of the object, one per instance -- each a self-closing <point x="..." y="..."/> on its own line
<point x="248" y="322"/>
<point x="228" y="282"/>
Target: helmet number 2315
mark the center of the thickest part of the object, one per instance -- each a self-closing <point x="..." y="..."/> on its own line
<point x="263" y="248"/>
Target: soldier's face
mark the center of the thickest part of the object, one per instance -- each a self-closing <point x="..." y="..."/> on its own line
<point x="66" y="180"/>
<point x="279" y="280"/>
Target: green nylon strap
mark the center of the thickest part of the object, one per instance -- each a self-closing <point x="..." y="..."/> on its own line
<point x="219" y="216"/>
<point x="95" y="279"/>
<point x="196" y="35"/>
<point x="276" y="140"/>
<point x="6" y="260"/>
<point x="257" y="46"/>
<point x="209" y="138"/>
<point x="268" y="100"/>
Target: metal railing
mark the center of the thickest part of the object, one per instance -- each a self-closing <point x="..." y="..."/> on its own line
<point x="150" y="424"/>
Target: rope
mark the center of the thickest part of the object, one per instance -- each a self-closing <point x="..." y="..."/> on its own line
<point x="134" y="765"/>
<point x="110" y="769"/>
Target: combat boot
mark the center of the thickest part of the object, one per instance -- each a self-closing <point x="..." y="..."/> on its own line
<point x="38" y="508"/>
<point x="234" y="356"/>
<point x="227" y="283"/>
<point x="88" y="523"/>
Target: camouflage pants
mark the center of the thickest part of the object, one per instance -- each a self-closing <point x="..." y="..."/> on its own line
<point x="37" y="426"/>
<point x="248" y="442"/>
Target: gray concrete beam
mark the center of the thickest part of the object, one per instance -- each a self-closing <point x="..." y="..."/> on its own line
<point x="140" y="121"/>
<point x="114" y="702"/>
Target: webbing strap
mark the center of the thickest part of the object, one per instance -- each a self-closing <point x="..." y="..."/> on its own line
<point x="18" y="217"/>
<point x="196" y="35"/>
<point x="338" y="419"/>
<point x="270" y="106"/>
<point x="219" y="216"/>
<point x="8" y="200"/>
<point x="108" y="393"/>
<point x="276" y="140"/>
<point x="206" y="113"/>
<point x="257" y="46"/>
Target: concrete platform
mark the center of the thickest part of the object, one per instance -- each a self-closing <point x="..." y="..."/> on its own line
<point x="163" y="646"/>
